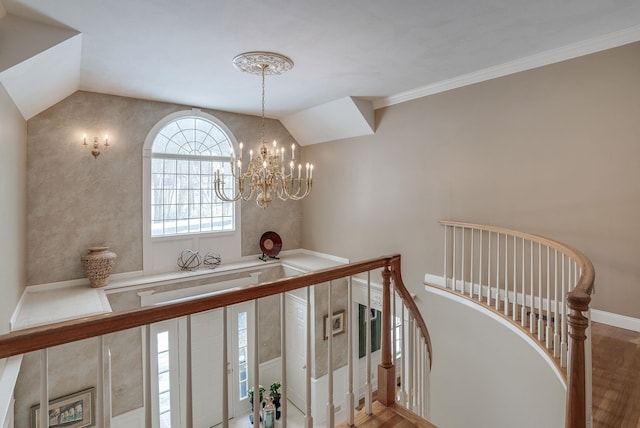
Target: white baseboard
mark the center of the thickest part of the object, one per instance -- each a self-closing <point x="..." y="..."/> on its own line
<point x="615" y="320"/>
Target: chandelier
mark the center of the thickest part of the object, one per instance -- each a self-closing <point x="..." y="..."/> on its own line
<point x="267" y="173"/>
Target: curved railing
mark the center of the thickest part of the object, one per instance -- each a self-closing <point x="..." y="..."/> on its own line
<point x="542" y="285"/>
<point x="47" y="336"/>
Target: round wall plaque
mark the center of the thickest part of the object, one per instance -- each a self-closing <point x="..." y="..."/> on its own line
<point x="270" y="245"/>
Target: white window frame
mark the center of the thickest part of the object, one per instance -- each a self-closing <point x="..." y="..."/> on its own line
<point x="160" y="253"/>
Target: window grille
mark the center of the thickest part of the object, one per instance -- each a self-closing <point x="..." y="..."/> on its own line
<point x="185" y="154"/>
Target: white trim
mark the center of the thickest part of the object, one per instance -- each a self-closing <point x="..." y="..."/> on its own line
<point x="552" y="56"/>
<point x="7" y="386"/>
<point x="317" y="254"/>
<point x="615" y="320"/>
<point x="509" y="325"/>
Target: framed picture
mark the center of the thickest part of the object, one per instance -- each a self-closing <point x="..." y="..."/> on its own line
<point x="337" y="324"/>
<point x="75" y="410"/>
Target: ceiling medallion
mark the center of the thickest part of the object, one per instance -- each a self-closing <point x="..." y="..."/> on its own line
<point x="258" y="62"/>
<point x="269" y="172"/>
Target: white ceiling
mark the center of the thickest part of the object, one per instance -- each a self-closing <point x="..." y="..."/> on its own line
<point x="181" y="51"/>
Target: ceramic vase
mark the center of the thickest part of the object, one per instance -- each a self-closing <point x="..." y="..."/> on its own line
<point x="97" y="264"/>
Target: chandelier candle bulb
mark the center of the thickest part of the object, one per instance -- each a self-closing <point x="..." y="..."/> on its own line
<point x="106" y="140"/>
<point x="293" y="151"/>
<point x="84" y="139"/>
<point x="240" y="150"/>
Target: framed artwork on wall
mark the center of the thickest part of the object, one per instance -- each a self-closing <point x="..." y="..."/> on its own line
<point x="337" y="324"/>
<point x="75" y="410"/>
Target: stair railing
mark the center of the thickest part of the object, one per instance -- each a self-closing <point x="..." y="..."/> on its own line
<point x="541" y="284"/>
<point x="414" y="387"/>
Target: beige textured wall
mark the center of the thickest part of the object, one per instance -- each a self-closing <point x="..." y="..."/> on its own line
<point x="13" y="185"/>
<point x="75" y="202"/>
<point x="552" y="151"/>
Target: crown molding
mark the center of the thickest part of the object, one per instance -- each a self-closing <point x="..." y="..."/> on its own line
<point x="552" y="56"/>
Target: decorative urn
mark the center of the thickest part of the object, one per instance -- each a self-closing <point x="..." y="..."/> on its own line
<point x="97" y="264"/>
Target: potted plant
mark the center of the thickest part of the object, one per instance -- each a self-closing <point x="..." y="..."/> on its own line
<point x="250" y="394"/>
<point x="274" y="391"/>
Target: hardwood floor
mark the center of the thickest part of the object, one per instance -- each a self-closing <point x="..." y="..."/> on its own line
<point x="616" y="377"/>
<point x="384" y="417"/>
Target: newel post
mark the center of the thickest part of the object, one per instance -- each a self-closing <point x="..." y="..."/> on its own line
<point x="578" y="302"/>
<point x="386" y="370"/>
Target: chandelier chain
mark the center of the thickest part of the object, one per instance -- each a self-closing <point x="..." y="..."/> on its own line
<point x="263" y="67"/>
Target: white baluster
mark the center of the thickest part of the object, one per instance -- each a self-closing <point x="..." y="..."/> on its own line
<point x="532" y="314"/>
<point x="330" y="406"/>
<point x="523" y="310"/>
<point x="506" y="275"/>
<point x="548" y="334"/>
<point x="565" y="344"/>
<point x="453" y="272"/>
<point x="99" y="406"/>
<point x="411" y="363"/>
<point x="350" y="396"/>
<point x="308" y="419"/>
<point x="189" y="382"/>
<point x="283" y="357"/>
<point x="481" y="232"/>
<point x="225" y="373"/>
<point x="464" y="278"/>
<point x="471" y="256"/>
<point x="147" y="371"/>
<point x="108" y="406"/>
<point x="368" y="387"/>
<point x="420" y="374"/>
<point x="556" y="311"/>
<point x="514" y="309"/>
<point x="427" y="381"/>
<point x="446" y="255"/>
<point x="540" y="308"/>
<point x="256" y="364"/>
<point x="489" y="269"/>
<point x="403" y="359"/>
<point x="44" y="388"/>
<point x="497" y="305"/>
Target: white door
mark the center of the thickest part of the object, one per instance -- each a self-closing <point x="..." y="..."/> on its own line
<point x="296" y="313"/>
<point x="207" y="368"/>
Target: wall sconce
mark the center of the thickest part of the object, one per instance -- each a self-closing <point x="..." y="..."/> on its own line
<point x="95" y="146"/>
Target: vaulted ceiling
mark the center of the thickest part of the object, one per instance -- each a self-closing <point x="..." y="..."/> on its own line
<point x="350" y="56"/>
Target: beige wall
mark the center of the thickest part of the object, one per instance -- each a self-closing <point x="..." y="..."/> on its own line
<point x="76" y="201"/>
<point x="13" y="179"/>
<point x="553" y="151"/>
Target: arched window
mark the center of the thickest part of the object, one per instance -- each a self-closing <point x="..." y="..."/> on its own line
<point x="185" y="153"/>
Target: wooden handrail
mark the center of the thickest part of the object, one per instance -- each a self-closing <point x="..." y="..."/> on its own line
<point x="411" y="304"/>
<point x="578" y="301"/>
<point x="45" y="336"/>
